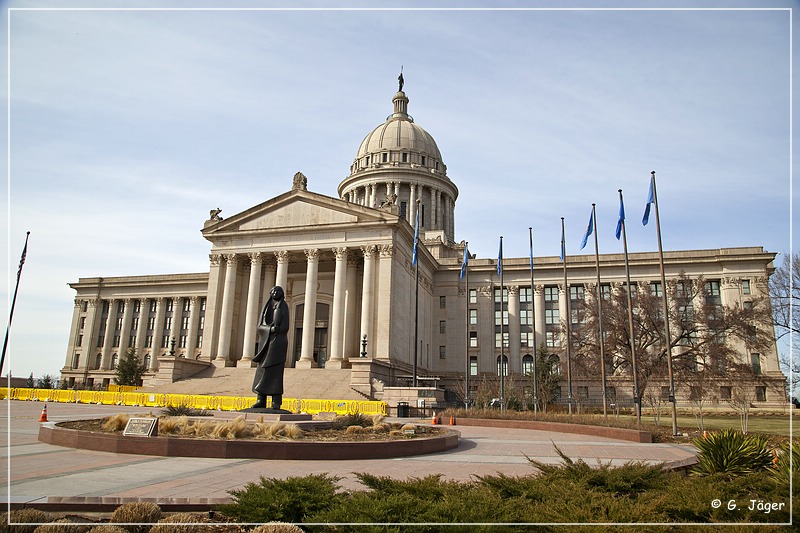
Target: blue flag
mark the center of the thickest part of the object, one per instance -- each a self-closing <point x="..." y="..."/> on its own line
<point x="531" y="254"/>
<point x="650" y="200"/>
<point x="416" y="240"/>
<point x="589" y="230"/>
<point x="465" y="262"/>
<point x="500" y="259"/>
<point x="621" y="217"/>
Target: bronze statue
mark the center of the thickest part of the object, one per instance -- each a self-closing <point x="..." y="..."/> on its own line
<point x="273" y="344"/>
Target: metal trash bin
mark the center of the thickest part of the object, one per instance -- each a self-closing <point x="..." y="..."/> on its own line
<point x="403" y="410"/>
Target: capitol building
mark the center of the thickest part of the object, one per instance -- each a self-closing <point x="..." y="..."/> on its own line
<point x="345" y="264"/>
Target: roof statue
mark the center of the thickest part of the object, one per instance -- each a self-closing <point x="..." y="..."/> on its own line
<point x="299" y="182"/>
<point x="400" y="80"/>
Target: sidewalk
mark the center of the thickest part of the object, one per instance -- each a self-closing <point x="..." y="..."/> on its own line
<point x="42" y="473"/>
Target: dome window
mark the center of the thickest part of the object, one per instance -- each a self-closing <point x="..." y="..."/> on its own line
<point x="405" y="157"/>
<point x="422" y="160"/>
<point x="366" y="161"/>
<point x="385" y="157"/>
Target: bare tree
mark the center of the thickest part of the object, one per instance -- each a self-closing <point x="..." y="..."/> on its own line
<point x="706" y="338"/>
<point x="784" y="290"/>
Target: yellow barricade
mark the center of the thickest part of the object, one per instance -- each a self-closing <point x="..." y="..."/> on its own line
<point x="43" y="395"/>
<point x="63" y="396"/>
<point x="24" y="394"/>
<point x="3" y="393"/>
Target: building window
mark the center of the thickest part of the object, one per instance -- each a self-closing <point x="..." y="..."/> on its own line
<point x="200" y="341"/>
<point x="443" y="327"/>
<point x="131" y="341"/>
<point x="473" y="366"/>
<point x="165" y="341"/>
<point x="403" y="209"/>
<point x="576" y="293"/>
<point x="167" y="323"/>
<point x="497" y="296"/>
<point x="473" y="339"/>
<point x="185" y="323"/>
<point x="442" y="302"/>
<point x="724" y="393"/>
<point x="473" y="316"/>
<point x="202" y="304"/>
<point x="82" y="323"/>
<point x="473" y="296"/>
<point x="526" y="338"/>
<point x="553" y="362"/>
<point x="405" y="157"/>
<point x="745" y="286"/>
<point x="442" y="352"/>
<point x="153" y="305"/>
<point x="98" y="360"/>
<point x="100" y="340"/>
<point x="605" y="291"/>
<point x="148" y="341"/>
<point x="422" y="160"/>
<point x="551" y="339"/>
<point x="500" y="315"/>
<point x="183" y="341"/>
<point x="186" y="304"/>
<point x="385" y="157"/>
<point x="656" y="289"/>
<point x="505" y="365"/>
<point x="84" y="305"/>
<point x="526" y="317"/>
<point x="151" y="323"/>
<point x="527" y="364"/>
<point x="116" y="341"/>
<point x="712" y="293"/>
<point x="761" y="394"/>
<point x="114" y="361"/>
<point x="120" y="307"/>
<point x="169" y="305"/>
<point x="146" y="361"/>
<point x="76" y="360"/>
<point x="551" y="316"/>
<point x="497" y="339"/>
<point x="755" y="359"/>
<point x="80" y="341"/>
<point x="525" y="295"/>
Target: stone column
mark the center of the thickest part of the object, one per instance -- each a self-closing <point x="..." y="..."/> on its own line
<point x="125" y="332"/>
<point x="108" y="339"/>
<point x="563" y="300"/>
<point x="412" y="204"/>
<point x="397" y="189"/>
<point x="338" y="314"/>
<point x="253" y="309"/>
<point x="269" y="279"/>
<point x="350" y="309"/>
<point x="158" y="332"/>
<point x="367" y="295"/>
<point x="223" y="357"/>
<point x="282" y="275"/>
<point x="141" y="331"/>
<point x="380" y="344"/>
<point x="90" y="331"/>
<point x="538" y="311"/>
<point x="514" y="364"/>
<point x="177" y="322"/>
<point x="211" y="329"/>
<point x="191" y="341"/>
<point x="309" y="311"/>
<point x="435" y="209"/>
<point x="374" y="202"/>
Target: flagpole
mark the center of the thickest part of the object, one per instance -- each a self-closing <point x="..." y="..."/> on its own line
<point x="569" y="319"/>
<point x="466" y="325"/>
<point x="666" y="310"/>
<point x="600" y="313"/>
<point x="637" y="402"/>
<point x="533" y="322"/>
<point x="14" y="303"/>
<point x="416" y="294"/>
<point x="502" y="337"/>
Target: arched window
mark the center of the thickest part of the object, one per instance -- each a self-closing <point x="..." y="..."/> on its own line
<point x="97" y="360"/>
<point x="114" y="361"/>
<point x="505" y="365"/>
<point x="527" y="364"/>
<point x="146" y="361"/>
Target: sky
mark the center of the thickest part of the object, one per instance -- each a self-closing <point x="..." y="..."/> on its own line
<point x="126" y="126"/>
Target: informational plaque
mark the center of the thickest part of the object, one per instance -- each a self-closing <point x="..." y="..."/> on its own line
<point x="142" y="427"/>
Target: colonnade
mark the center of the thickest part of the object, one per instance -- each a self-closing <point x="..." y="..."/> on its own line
<point x="441" y="203"/>
<point x="266" y="272"/>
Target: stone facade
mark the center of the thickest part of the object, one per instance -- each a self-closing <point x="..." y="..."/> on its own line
<point x="345" y="266"/>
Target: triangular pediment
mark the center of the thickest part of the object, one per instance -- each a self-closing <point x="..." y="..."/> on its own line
<point x="298" y="210"/>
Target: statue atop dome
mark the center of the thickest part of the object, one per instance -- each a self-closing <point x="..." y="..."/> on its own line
<point x="400" y="80"/>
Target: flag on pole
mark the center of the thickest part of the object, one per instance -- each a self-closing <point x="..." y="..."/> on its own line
<point x="589" y="229"/>
<point x="22" y="259"/>
<point x="416" y="239"/>
<point x="650" y="200"/>
<point x="621" y="217"/>
<point x="465" y="262"/>
<point x="500" y="258"/>
<point x="563" y="243"/>
<point x="531" y="234"/>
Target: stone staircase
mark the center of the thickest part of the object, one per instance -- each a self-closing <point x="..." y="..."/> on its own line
<point x="322" y="383"/>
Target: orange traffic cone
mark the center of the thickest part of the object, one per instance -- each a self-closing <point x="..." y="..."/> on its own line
<point x="43" y="416"/>
<point x="775" y="458"/>
<point x="452" y="421"/>
<point x="433" y="420"/>
<point x="705" y="434"/>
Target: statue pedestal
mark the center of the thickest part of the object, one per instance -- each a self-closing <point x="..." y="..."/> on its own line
<point x="309" y="363"/>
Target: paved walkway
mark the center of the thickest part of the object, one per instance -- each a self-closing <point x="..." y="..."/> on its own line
<point x="42" y="473"/>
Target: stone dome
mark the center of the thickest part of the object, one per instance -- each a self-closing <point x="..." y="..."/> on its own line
<point x="399" y="133"/>
<point x="398" y="162"/>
